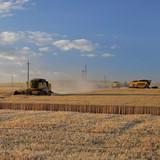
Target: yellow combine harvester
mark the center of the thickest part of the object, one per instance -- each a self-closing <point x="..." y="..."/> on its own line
<point x="36" y="87"/>
<point x="116" y="84"/>
<point x="140" y="84"/>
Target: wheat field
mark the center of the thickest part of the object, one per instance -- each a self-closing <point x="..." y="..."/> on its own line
<point x="42" y="135"/>
<point x="59" y="135"/>
<point x="139" y="97"/>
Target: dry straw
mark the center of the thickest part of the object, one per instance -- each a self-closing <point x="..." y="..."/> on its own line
<point x="105" y="109"/>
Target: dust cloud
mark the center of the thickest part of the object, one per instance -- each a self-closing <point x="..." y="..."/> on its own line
<point x="72" y="86"/>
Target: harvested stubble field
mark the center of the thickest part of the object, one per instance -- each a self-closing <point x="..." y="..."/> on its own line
<point x="60" y="135"/>
<point x="138" y="97"/>
<point x="115" y="101"/>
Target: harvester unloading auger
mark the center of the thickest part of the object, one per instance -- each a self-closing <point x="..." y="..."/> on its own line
<point x="36" y="87"/>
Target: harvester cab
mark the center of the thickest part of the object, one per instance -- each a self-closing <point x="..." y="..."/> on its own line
<point x="36" y="87"/>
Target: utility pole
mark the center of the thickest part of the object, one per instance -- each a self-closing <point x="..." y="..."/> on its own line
<point x="12" y="80"/>
<point x="84" y="73"/>
<point x="85" y="70"/>
<point x="28" y="67"/>
<point x="105" y="81"/>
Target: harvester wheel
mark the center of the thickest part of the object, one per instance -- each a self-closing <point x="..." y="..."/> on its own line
<point x="15" y="93"/>
<point x="42" y="93"/>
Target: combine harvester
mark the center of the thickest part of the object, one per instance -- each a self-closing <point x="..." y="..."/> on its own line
<point x="140" y="84"/>
<point x="116" y="84"/>
<point x="36" y="87"/>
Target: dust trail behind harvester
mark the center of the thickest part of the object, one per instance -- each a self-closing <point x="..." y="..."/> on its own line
<point x="65" y="87"/>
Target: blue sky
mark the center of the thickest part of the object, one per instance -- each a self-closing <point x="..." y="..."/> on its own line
<point x="116" y="38"/>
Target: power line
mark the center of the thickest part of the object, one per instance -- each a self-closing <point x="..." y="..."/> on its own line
<point x="28" y="73"/>
<point x="85" y="69"/>
<point x="84" y="72"/>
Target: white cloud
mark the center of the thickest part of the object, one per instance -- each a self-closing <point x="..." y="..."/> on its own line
<point x="25" y="44"/>
<point x="42" y="39"/>
<point x="44" y="49"/>
<point x="82" y="45"/>
<point x="39" y="38"/>
<point x="89" y="55"/>
<point x="114" y="46"/>
<point x="100" y="35"/>
<point x="8" y="37"/>
<point x="12" y="58"/>
<point x="5" y="57"/>
<point x="6" y="15"/>
<point x="107" y="55"/>
<point x="36" y="38"/>
<point x="26" y="48"/>
<point x="7" y="7"/>
<point x="19" y="46"/>
<point x="25" y="51"/>
<point x="14" y="55"/>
